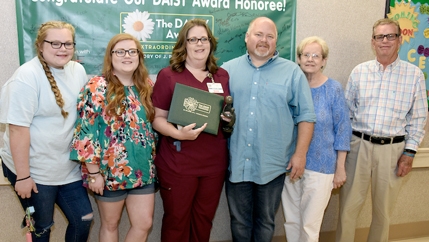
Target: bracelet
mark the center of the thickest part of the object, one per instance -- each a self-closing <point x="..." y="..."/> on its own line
<point x="410" y="151"/>
<point x="91" y="179"/>
<point x="22" y="179"/>
<point x="94" y="173"/>
<point x="408" y="154"/>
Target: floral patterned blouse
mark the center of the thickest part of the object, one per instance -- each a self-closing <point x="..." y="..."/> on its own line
<point x="123" y="147"/>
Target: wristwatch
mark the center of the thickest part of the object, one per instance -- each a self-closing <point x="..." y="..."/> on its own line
<point x="91" y="179"/>
<point x="410" y="151"/>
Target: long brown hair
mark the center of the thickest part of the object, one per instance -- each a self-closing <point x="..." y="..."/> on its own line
<point x="178" y="57"/>
<point x="41" y="36"/>
<point x="115" y="89"/>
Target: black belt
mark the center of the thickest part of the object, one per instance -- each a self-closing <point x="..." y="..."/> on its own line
<point x="380" y="140"/>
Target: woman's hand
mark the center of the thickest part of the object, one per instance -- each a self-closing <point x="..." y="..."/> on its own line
<point x="340" y="171"/>
<point x="189" y="133"/>
<point x="96" y="183"/>
<point x="24" y="187"/>
<point x="19" y="137"/>
<point x="225" y="118"/>
<point x="339" y="178"/>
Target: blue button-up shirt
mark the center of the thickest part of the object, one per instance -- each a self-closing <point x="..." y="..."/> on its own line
<point x="269" y="102"/>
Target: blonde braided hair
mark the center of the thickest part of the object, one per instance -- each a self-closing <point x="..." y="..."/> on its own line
<point x="41" y="35"/>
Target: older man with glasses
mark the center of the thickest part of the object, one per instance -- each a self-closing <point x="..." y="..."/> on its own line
<point x="388" y="108"/>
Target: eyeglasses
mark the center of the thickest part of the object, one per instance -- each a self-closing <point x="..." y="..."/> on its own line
<point x="122" y="52"/>
<point x="308" y="55"/>
<point x="194" y="40"/>
<point x="381" y="37"/>
<point x="58" y="45"/>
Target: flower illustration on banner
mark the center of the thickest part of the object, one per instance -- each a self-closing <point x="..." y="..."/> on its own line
<point x="138" y="25"/>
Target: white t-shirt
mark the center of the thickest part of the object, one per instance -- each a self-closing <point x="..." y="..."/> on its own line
<point x="27" y="100"/>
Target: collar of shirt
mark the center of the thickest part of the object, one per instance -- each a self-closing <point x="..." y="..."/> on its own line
<point x="249" y="60"/>
<point x="380" y="68"/>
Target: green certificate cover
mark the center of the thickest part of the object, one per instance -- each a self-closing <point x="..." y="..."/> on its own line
<point x="191" y="105"/>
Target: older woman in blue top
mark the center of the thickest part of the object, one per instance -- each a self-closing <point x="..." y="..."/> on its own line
<point x="304" y="200"/>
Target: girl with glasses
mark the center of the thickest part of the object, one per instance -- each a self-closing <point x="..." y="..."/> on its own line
<point x="38" y="104"/>
<point x="115" y="141"/>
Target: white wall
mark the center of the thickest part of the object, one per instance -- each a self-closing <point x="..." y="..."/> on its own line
<point x="345" y="25"/>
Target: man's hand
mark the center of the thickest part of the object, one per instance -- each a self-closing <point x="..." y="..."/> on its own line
<point x="297" y="163"/>
<point x="299" y="158"/>
<point x="405" y="164"/>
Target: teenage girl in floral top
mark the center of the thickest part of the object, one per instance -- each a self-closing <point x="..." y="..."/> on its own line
<point x="115" y="140"/>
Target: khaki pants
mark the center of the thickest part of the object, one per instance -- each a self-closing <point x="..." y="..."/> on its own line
<point x="375" y="165"/>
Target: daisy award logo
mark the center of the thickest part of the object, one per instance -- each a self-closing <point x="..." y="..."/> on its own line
<point x="138" y="25"/>
<point x="190" y="104"/>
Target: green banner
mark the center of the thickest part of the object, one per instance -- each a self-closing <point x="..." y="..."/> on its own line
<point x="156" y="23"/>
<point x="393" y="2"/>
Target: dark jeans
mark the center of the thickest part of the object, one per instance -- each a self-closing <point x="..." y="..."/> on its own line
<point x="72" y="199"/>
<point x="253" y="209"/>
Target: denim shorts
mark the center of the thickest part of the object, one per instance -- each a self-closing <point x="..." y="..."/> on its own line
<point x="119" y="195"/>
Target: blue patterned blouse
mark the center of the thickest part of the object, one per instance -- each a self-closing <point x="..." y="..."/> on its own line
<point x="332" y="130"/>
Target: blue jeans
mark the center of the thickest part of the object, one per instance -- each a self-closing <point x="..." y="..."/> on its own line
<point x="253" y="209"/>
<point x="72" y="199"/>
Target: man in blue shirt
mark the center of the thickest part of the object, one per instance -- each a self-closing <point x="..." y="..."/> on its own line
<point x="274" y="126"/>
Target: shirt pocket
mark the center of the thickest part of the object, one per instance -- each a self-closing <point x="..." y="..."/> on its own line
<point x="401" y="106"/>
<point x="273" y="95"/>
